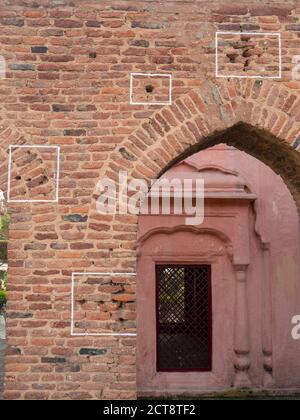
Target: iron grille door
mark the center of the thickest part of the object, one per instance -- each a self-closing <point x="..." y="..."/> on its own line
<point x="184" y="318"/>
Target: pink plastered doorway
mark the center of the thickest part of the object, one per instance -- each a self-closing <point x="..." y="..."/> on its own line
<point x="250" y="238"/>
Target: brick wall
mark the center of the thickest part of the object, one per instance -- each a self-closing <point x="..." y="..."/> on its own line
<point x="67" y="85"/>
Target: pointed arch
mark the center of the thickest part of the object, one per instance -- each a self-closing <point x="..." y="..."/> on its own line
<point x="260" y="117"/>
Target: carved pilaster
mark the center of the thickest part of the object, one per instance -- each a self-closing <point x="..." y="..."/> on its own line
<point x="241" y="334"/>
<point x="267" y="346"/>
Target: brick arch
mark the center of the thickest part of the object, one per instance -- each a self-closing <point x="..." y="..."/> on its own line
<point x="260" y="117"/>
<point x="262" y="145"/>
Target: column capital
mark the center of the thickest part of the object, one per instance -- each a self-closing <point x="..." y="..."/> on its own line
<point x="241" y="267"/>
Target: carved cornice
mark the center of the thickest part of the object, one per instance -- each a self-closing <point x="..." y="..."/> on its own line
<point x="185" y="228"/>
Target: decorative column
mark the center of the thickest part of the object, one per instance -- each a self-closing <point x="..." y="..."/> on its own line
<point x="267" y="346"/>
<point x="241" y="333"/>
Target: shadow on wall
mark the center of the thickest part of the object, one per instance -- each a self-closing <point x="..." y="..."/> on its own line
<point x="2" y="352"/>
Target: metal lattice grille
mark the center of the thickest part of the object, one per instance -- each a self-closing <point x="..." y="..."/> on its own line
<point x="184" y="318"/>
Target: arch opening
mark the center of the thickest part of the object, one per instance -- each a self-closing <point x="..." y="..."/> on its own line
<point x="262" y="145"/>
<point x="251" y="259"/>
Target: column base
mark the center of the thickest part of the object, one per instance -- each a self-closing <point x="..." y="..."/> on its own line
<point x="268" y="380"/>
<point x="242" y="381"/>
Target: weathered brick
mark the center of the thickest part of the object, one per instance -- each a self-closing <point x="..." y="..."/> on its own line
<point x="94" y="24"/>
<point x="293" y="27"/>
<point x="62" y="108"/>
<point x="74" y="133"/>
<point x="231" y="9"/>
<point x="12" y="22"/>
<point x="149" y="25"/>
<point x="68" y="23"/>
<point x="18" y="315"/>
<point x="270" y="10"/>
<point x="35" y="247"/>
<point x="39" y="50"/>
<point x="81" y="245"/>
<point x="139" y="43"/>
<point x="35" y="396"/>
<point x="53" y="360"/>
<point x="46" y="236"/>
<point x="75" y="218"/>
<point x="22" y="67"/>
<point x="92" y="352"/>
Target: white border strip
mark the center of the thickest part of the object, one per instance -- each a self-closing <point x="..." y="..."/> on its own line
<point x="3" y="67"/>
<point x="56" y="178"/>
<point x="132" y="75"/>
<point x="249" y="33"/>
<point x="73" y="334"/>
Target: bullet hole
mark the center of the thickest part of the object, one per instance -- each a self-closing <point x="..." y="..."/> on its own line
<point x="246" y="65"/>
<point x="126" y="154"/>
<point x="247" y="53"/>
<point x="17" y="178"/>
<point x="82" y="301"/>
<point x="93" y="55"/>
<point x="28" y="179"/>
<point x="43" y="180"/>
<point x="232" y="57"/>
<point x="149" y="88"/>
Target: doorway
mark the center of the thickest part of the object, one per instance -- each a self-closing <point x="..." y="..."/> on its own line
<point x="184" y="318"/>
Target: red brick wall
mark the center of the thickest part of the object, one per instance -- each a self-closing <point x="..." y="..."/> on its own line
<point x="67" y="85"/>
